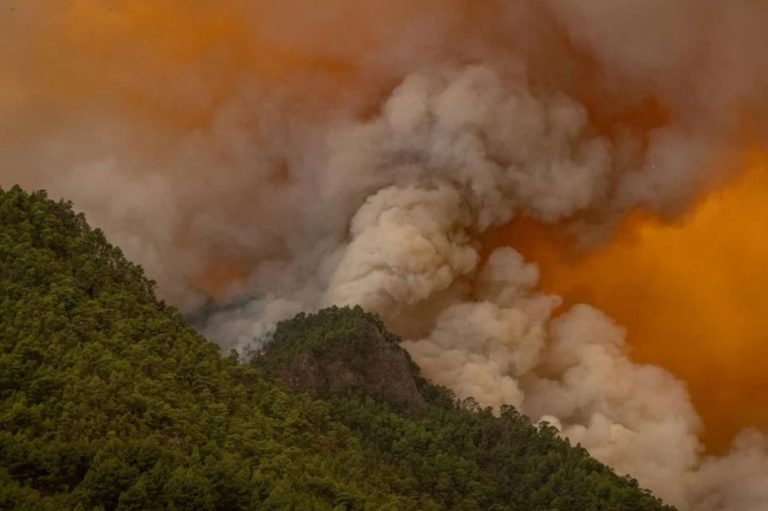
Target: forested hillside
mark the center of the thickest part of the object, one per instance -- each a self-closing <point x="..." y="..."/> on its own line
<point x="109" y="400"/>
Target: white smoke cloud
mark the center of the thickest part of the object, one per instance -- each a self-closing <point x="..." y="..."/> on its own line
<point x="482" y="348"/>
<point x="736" y="481"/>
<point x="485" y="132"/>
<point x="636" y="418"/>
<point x="407" y="244"/>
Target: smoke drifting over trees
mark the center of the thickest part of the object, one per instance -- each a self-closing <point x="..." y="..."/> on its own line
<point x="264" y="158"/>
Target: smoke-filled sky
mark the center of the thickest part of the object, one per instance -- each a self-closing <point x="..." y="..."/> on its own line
<point x="558" y="204"/>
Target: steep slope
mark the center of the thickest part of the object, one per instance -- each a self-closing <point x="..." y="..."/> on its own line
<point x="430" y="436"/>
<point x="340" y="351"/>
<point x="109" y="400"/>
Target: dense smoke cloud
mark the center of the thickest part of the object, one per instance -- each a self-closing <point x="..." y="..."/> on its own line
<point x="263" y="158"/>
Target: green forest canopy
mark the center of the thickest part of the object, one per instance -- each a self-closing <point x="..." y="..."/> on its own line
<point x="109" y="400"/>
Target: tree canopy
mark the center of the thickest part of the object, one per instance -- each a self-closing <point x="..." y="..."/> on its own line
<point x="110" y="401"/>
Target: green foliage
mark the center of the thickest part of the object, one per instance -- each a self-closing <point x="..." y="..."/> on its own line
<point x="109" y="401"/>
<point x="320" y="332"/>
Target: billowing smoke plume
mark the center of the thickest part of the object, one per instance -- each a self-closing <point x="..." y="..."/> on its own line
<point x="263" y="158"/>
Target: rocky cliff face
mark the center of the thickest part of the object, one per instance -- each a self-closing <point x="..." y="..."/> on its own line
<point x="355" y="355"/>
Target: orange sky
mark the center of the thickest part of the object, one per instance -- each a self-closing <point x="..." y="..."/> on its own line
<point x="692" y="294"/>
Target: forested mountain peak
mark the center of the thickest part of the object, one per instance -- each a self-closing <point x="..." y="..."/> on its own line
<point x="342" y="350"/>
<point x="110" y="401"/>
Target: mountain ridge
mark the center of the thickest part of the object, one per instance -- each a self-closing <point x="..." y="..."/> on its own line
<point x="109" y="400"/>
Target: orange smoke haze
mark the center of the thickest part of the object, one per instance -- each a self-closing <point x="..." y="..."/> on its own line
<point x="171" y="59"/>
<point x="692" y="294"/>
<point x="83" y="46"/>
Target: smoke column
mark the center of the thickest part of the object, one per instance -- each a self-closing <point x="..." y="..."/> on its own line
<point x="262" y="158"/>
<point x="690" y="293"/>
